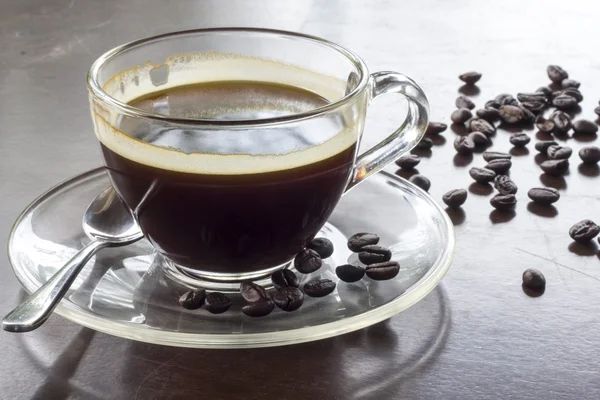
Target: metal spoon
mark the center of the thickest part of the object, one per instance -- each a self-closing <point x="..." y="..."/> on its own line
<point x="110" y="223"/>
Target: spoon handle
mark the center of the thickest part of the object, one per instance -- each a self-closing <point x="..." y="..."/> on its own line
<point x="34" y="311"/>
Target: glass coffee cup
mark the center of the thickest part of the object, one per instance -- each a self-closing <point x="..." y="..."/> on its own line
<point x="233" y="146"/>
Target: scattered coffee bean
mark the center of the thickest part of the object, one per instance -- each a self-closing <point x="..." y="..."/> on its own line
<point x="322" y="246"/>
<point x="482" y="175"/>
<point x="546" y="91"/>
<point x="464" y="102"/>
<point x="533" y="106"/>
<point x="555" y="167"/>
<point x="597" y="110"/>
<point x="500" y="166"/>
<point x="284" y="278"/>
<point x="359" y="240"/>
<point x="570" y="83"/>
<point x="408" y="161"/>
<point x="489" y="114"/>
<point x="519" y="139"/>
<point x="506" y="99"/>
<point x="307" y="261"/>
<point x="252" y="292"/>
<point x="562" y="121"/>
<point x="479" y="139"/>
<point x="481" y="125"/>
<point x="435" y="128"/>
<point x="492" y="104"/>
<point x="383" y="271"/>
<point x="349" y="273"/>
<point x="559" y="152"/>
<point x="455" y="198"/>
<point x="193" y="299"/>
<point x="543" y="124"/>
<point x="495" y="155"/>
<point x="464" y="145"/>
<point x="461" y="115"/>
<point x="259" y="308"/>
<point x="573" y="92"/>
<point x="420" y="181"/>
<point x="511" y="114"/>
<point x="217" y="303"/>
<point x="590" y="154"/>
<point x="319" y="287"/>
<point x="536" y="97"/>
<point x="504" y="185"/>
<point x="289" y="298"/>
<point x="564" y="102"/>
<point x="503" y="202"/>
<point x="373" y="253"/>
<point x="584" y="231"/>
<point x="470" y="78"/>
<point x="424" y="144"/>
<point x="528" y="115"/>
<point x="543" y="145"/>
<point x="585" y="127"/>
<point x="544" y="195"/>
<point x="534" y="280"/>
<point x="556" y="73"/>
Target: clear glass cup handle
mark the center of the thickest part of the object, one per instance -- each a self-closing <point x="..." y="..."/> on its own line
<point x="405" y="137"/>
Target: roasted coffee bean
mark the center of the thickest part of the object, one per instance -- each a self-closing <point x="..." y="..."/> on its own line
<point x="543" y="124"/>
<point x="383" y="271"/>
<point x="573" y="92"/>
<point x="373" y="253"/>
<point x="408" y="161"/>
<point x="259" y="308"/>
<point x="482" y="175"/>
<point x="252" y="292"/>
<point x="489" y="114"/>
<point x="564" y="102"/>
<point x="464" y="145"/>
<point x="499" y="166"/>
<point x="284" y="278"/>
<point x="455" y="198"/>
<point x="470" y="78"/>
<point x="495" y="155"/>
<point x="519" y="139"/>
<point x="464" y="102"/>
<point x="535" y="97"/>
<point x="534" y="280"/>
<point x="322" y="246"/>
<point x="217" y="303"/>
<point x="492" y="104"/>
<point x="506" y="99"/>
<point x="319" y="287"/>
<point x="504" y="185"/>
<point x="511" y="114"/>
<point x="421" y="181"/>
<point x="424" y="144"/>
<point x="570" y="83"/>
<point x="597" y="110"/>
<point x="435" y="128"/>
<point x="590" y="154"/>
<point x="528" y="116"/>
<point x="481" y="125"/>
<point x="585" y="127"/>
<point x="288" y="298"/>
<point x="479" y="139"/>
<point x="584" y="231"/>
<point x="544" y="195"/>
<point x="349" y="272"/>
<point x="543" y="145"/>
<point x="555" y="167"/>
<point x="546" y="91"/>
<point x="193" y="299"/>
<point x="461" y="115"/>
<point x="503" y="202"/>
<point x="559" y="152"/>
<point x="307" y="261"/>
<point x="359" y="240"/>
<point x="562" y="121"/>
<point x="556" y="73"/>
<point x="533" y="106"/>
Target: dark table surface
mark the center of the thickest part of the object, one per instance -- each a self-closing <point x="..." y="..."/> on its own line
<point x="476" y="336"/>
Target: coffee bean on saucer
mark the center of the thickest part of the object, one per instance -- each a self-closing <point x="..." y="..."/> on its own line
<point x="573" y="92"/>
<point x="555" y="167"/>
<point x="193" y="299"/>
<point x="464" y="102"/>
<point x="372" y="254"/>
<point x="479" y="139"/>
<point x="590" y="154"/>
<point x="556" y="73"/>
<point x="307" y="261"/>
<point x="504" y="185"/>
<point x="408" y="161"/>
<point x="519" y="139"/>
<point x="464" y="145"/>
<point x="288" y="298"/>
<point x="319" y="287"/>
<point x="420" y="181"/>
<point x="284" y="278"/>
<point x="455" y="198"/>
<point x="481" y="125"/>
<point x="435" y="128"/>
<point x="252" y="292"/>
<point x="511" y="114"/>
<point x="562" y="121"/>
<point x="543" y="145"/>
<point x="570" y="83"/>
<point x="584" y="231"/>
<point x="482" y="175"/>
<point x="383" y="271"/>
<point x="495" y="155"/>
<point x="217" y="303"/>
<point x="543" y="124"/>
<point x="503" y="202"/>
<point x="585" y="127"/>
<point x="359" y="240"/>
<point x="534" y="280"/>
<point x="564" y="102"/>
<point x="259" y="308"/>
<point x="424" y="144"/>
<point x="559" y="152"/>
<point x="500" y="166"/>
<point x="349" y="273"/>
<point x="470" y="78"/>
<point x="461" y="115"/>
<point x="544" y="195"/>
<point x="322" y="246"/>
<point x="490" y="114"/>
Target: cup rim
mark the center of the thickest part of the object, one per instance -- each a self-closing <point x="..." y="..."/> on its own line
<point x="100" y="94"/>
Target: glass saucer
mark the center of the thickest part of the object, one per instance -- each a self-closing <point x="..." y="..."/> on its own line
<point x="128" y="292"/>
